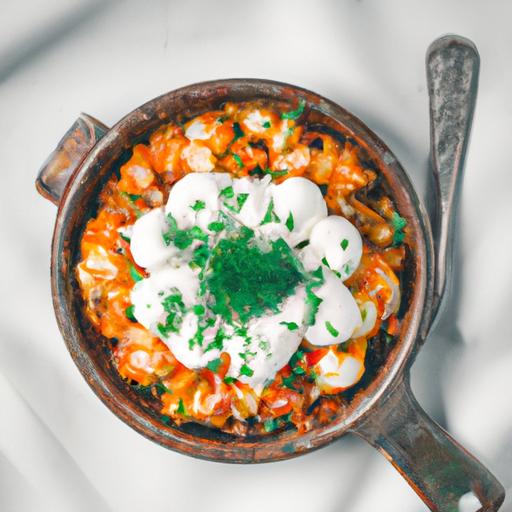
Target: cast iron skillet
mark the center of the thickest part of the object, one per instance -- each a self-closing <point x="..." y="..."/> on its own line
<point x="385" y="413"/>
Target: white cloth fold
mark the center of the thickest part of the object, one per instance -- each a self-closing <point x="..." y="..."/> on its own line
<point x="61" y="449"/>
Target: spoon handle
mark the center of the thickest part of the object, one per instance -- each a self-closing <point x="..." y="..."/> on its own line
<point x="452" y="74"/>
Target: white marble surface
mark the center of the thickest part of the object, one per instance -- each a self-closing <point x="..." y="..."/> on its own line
<point x="60" y="448"/>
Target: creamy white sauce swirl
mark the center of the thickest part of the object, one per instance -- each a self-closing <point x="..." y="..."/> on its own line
<point x="298" y="214"/>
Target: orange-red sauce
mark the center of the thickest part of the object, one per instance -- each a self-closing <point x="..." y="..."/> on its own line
<point x="238" y="147"/>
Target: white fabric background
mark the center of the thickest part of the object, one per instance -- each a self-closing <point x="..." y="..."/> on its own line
<point x="60" y="448"/>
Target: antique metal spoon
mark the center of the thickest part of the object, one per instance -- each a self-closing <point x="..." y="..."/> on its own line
<point x="452" y="74"/>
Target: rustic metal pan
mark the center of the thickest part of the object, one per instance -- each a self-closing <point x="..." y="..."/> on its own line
<point x="385" y="412"/>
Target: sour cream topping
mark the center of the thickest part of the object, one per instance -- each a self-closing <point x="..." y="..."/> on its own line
<point x="175" y="245"/>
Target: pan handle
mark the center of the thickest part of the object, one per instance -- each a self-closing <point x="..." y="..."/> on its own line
<point x="440" y="470"/>
<point x="70" y="152"/>
<point x="452" y="65"/>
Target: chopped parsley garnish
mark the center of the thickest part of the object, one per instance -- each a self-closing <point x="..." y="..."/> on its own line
<point x="266" y="125"/>
<point x="245" y="290"/>
<point x="135" y="274"/>
<point x="276" y="174"/>
<point x="214" y="365"/>
<point x="216" y="226"/>
<point x="313" y="301"/>
<point x="218" y="341"/>
<point x="229" y="380"/>
<point x="171" y="230"/>
<point x="326" y="263"/>
<point x="241" y="199"/>
<point x="342" y="347"/>
<point x="302" y="244"/>
<point x="173" y="302"/>
<point x="257" y="171"/>
<point x="166" y="420"/>
<point x="295" y="114"/>
<point x="129" y="313"/>
<point x="247" y="355"/>
<point x="318" y="276"/>
<point x="289" y="381"/>
<point x="332" y="330"/>
<point x="238" y="160"/>
<point x="196" y="233"/>
<point x="198" y="337"/>
<point x="132" y="198"/>
<point x="270" y="215"/>
<point x="299" y="354"/>
<point x="264" y="345"/>
<point x="238" y="132"/>
<point x="298" y="370"/>
<point x="242" y="332"/>
<point x="161" y="388"/>
<point x="125" y="238"/>
<point x="346" y="269"/>
<point x="200" y="256"/>
<point x="274" y="423"/>
<point x="227" y="192"/>
<point x="291" y="326"/>
<point x="199" y="309"/>
<point x="289" y="222"/>
<point x="399" y="224"/>
<point x="181" y="408"/>
<point x="344" y="244"/>
<point x="168" y="327"/>
<point x="270" y="425"/>
<point x="174" y="307"/>
<point x="198" y="205"/>
<point x="182" y="238"/>
<point x="245" y="370"/>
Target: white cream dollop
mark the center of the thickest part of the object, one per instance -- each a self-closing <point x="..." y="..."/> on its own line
<point x="254" y="208"/>
<point x="147" y="244"/>
<point x="338" y="371"/>
<point x="147" y="294"/>
<point x="194" y="200"/>
<point x="303" y="200"/>
<point x="370" y="317"/>
<point x="338" y="241"/>
<point x="337" y="309"/>
<point x="270" y="340"/>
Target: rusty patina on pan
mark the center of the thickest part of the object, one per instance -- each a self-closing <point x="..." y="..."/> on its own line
<point x="384" y="413"/>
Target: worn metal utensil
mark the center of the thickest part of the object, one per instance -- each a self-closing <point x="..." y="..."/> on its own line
<point x="441" y="471"/>
<point x="453" y="66"/>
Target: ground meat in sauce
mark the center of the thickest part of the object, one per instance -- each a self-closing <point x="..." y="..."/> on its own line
<point x="246" y="139"/>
